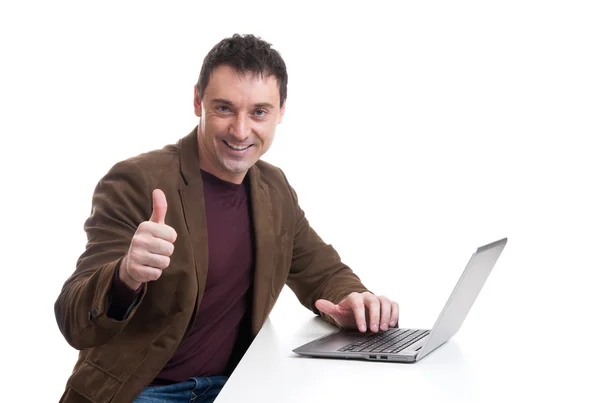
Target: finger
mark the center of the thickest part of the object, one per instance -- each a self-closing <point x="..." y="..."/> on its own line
<point x="385" y="312"/>
<point x="358" y="309"/>
<point x="372" y="304"/>
<point x="395" y="314"/>
<point x="160" y="247"/>
<point x="144" y="240"/>
<point x="161" y="231"/>
<point x="143" y="274"/>
<point x="152" y="260"/>
<point x="326" y="307"/>
<point x="159" y="206"/>
<point x="165" y="232"/>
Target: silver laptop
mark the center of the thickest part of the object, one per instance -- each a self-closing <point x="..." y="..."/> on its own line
<point x="410" y="345"/>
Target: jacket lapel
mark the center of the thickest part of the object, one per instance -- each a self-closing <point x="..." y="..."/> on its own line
<point x="191" y="192"/>
<point x="264" y="241"/>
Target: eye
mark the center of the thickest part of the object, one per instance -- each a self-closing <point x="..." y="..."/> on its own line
<point x="261" y="113"/>
<point x="223" y="108"/>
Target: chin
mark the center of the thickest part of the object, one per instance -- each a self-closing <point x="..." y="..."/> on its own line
<point x="238" y="167"/>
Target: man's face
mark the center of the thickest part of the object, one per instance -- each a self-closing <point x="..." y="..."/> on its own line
<point x="238" y="116"/>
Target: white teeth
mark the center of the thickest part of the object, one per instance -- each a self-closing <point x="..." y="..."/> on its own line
<point x="236" y="147"/>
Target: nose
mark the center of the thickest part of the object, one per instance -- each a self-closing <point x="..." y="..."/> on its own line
<point x="240" y="127"/>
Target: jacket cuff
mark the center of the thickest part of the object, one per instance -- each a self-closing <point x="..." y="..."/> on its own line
<point x="122" y="299"/>
<point x="101" y="304"/>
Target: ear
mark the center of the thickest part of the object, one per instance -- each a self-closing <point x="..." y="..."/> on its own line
<point x="281" y="112"/>
<point x="197" y="103"/>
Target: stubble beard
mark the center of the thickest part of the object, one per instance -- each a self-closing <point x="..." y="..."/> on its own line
<point x="236" y="166"/>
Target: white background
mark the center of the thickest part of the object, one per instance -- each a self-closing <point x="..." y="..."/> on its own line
<point x="414" y="132"/>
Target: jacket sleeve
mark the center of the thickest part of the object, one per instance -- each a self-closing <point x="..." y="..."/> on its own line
<point x="121" y="201"/>
<point x="317" y="271"/>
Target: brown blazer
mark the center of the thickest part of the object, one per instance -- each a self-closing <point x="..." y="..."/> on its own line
<point x="119" y="358"/>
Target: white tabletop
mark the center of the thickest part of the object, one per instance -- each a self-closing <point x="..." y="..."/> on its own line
<point x="480" y="364"/>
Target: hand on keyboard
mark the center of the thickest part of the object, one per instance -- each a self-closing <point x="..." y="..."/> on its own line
<point x="354" y="311"/>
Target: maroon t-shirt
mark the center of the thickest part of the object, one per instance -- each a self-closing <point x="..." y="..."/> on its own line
<point x="209" y="345"/>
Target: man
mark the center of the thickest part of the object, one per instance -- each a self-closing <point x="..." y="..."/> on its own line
<point x="189" y="247"/>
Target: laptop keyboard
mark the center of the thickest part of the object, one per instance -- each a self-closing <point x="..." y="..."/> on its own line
<point x="391" y="341"/>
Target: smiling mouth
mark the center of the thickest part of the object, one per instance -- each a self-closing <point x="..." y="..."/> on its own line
<point x="236" y="147"/>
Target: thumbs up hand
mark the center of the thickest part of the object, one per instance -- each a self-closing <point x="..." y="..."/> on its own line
<point x="151" y="247"/>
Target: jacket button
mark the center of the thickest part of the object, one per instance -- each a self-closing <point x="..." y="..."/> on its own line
<point x="93" y="314"/>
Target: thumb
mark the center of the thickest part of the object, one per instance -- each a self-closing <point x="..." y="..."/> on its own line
<point x="326" y="307"/>
<point x="159" y="206"/>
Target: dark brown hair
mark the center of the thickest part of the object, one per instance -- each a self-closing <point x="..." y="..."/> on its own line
<point x="246" y="54"/>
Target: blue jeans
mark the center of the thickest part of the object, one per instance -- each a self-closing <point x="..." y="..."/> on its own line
<point x="194" y="390"/>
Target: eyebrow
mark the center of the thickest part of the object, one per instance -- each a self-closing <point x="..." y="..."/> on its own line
<point x="228" y="102"/>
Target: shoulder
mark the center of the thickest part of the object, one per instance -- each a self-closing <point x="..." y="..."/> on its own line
<point x="156" y="166"/>
<point x="272" y="175"/>
<point x="162" y="159"/>
<point x="277" y="182"/>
